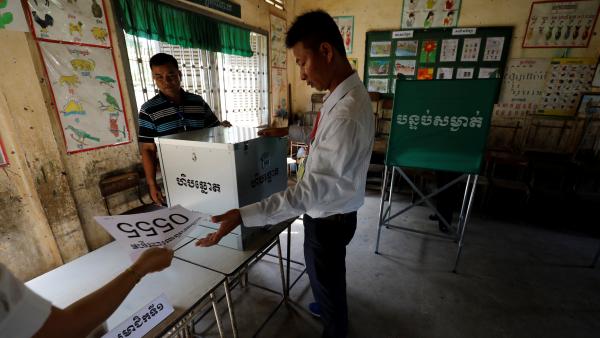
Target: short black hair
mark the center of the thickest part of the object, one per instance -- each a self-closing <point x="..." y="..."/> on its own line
<point x="312" y="29"/>
<point x="162" y="59"/>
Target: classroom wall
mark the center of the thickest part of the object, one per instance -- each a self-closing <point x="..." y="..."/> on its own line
<point x="386" y="15"/>
<point x="48" y="198"/>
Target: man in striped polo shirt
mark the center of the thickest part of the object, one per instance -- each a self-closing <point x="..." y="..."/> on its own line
<point x="172" y="111"/>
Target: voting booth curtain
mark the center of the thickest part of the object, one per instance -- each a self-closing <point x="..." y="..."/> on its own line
<point x="155" y="20"/>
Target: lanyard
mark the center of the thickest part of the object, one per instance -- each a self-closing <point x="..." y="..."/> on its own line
<point x="182" y="116"/>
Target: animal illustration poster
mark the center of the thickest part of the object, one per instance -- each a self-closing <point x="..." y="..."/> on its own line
<point x="566" y="79"/>
<point x="555" y="24"/>
<point x="278" y="49"/>
<point x="346" y="26"/>
<point x="430" y="13"/>
<point x="87" y="96"/>
<point x="12" y="16"/>
<point x="78" y="21"/>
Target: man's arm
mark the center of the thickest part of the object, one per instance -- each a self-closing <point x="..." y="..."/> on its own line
<point x="274" y="132"/>
<point x="326" y="184"/>
<point x="81" y="317"/>
<point x="149" y="162"/>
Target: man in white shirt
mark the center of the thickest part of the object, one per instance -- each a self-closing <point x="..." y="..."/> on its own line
<point x="25" y="314"/>
<point x="333" y="186"/>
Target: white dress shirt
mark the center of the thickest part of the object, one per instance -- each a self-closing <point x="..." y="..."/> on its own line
<point x="336" y="167"/>
<point x="22" y="312"/>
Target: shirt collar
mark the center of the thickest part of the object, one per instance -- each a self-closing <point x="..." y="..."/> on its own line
<point x="340" y="91"/>
<point x="184" y="95"/>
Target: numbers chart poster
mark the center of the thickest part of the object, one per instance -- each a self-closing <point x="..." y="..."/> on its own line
<point x="555" y="24"/>
<point x="161" y="228"/>
<point x="430" y="13"/>
<point x="87" y="95"/>
<point x="77" y="21"/>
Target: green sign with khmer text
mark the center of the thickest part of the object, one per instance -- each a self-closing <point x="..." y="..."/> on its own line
<point x="441" y="124"/>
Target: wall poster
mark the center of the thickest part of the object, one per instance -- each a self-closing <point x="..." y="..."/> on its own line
<point x="80" y="21"/>
<point x="278" y="50"/>
<point x="279" y="92"/>
<point x="554" y="24"/>
<point x="89" y="104"/>
<point x="430" y="13"/>
<point x="75" y="45"/>
<point x="524" y="80"/>
<point x="279" y="82"/>
<point x="566" y="79"/>
<point x="346" y="26"/>
<point x="3" y="157"/>
<point x="12" y="16"/>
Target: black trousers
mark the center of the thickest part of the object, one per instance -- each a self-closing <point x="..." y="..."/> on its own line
<point x="325" y="241"/>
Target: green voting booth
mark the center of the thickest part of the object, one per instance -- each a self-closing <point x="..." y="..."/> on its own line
<point x="438" y="125"/>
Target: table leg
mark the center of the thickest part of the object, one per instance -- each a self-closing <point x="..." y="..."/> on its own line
<point x="230" y="308"/>
<point x="283" y="286"/>
<point x="217" y="317"/>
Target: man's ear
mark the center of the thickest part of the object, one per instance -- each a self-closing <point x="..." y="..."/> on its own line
<point x="180" y="75"/>
<point x="326" y="50"/>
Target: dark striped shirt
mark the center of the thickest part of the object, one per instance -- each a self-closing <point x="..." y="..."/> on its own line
<point x="159" y="116"/>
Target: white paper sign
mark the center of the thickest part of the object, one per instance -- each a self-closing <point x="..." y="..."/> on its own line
<point x="402" y="34"/>
<point x="161" y="228"/>
<point x="464" y="31"/>
<point x="144" y="320"/>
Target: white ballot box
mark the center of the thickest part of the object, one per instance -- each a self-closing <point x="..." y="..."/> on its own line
<point x="217" y="169"/>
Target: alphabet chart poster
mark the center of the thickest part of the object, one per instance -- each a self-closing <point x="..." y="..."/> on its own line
<point x="160" y="228"/>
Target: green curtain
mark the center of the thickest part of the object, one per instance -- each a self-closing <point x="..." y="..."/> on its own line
<point x="155" y="20"/>
<point x="234" y="40"/>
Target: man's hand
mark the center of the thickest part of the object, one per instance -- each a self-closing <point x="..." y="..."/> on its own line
<point x="156" y="195"/>
<point x="152" y="260"/>
<point x="273" y="132"/>
<point x="228" y="221"/>
<point x="225" y="124"/>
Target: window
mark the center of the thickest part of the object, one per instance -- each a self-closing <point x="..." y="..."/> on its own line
<point x="235" y="87"/>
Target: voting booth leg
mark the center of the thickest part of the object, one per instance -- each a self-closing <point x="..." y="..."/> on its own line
<point x="381" y="205"/>
<point x="230" y="308"/>
<point x="463" y="226"/>
<point x="463" y="207"/>
<point x="596" y="258"/>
